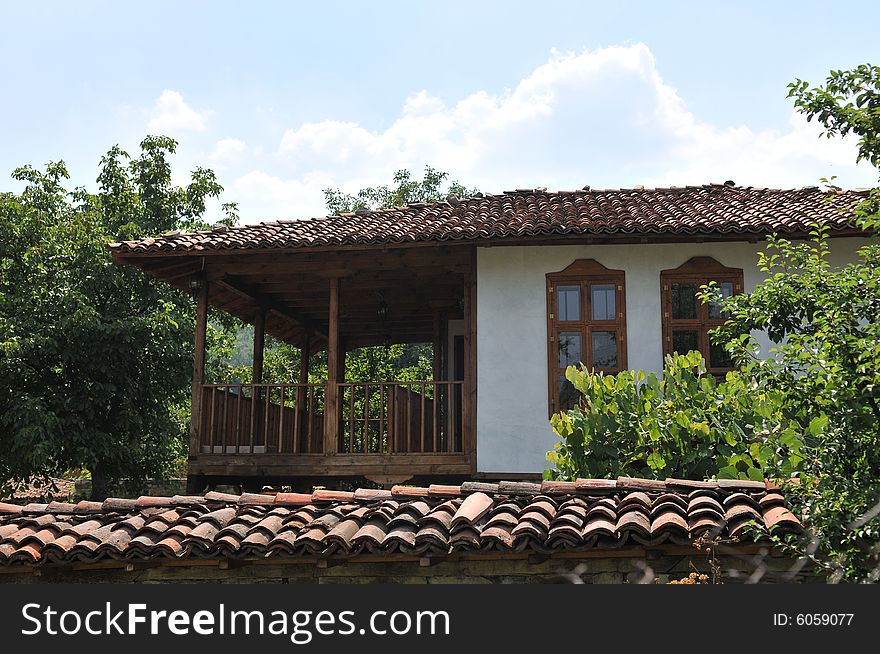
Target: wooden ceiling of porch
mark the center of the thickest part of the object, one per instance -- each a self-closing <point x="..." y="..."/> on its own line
<point x="293" y="288"/>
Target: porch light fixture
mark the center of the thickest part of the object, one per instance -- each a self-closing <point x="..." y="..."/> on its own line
<point x="195" y="285"/>
<point x="382" y="309"/>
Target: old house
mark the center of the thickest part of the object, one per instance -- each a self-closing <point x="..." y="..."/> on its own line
<point x="509" y="289"/>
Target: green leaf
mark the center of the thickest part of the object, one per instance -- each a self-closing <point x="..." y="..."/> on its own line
<point x="656" y="461"/>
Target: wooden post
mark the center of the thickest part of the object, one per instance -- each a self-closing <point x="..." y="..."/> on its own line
<point x="331" y="396"/>
<point x="259" y="342"/>
<point x="195" y="423"/>
<point x="340" y="379"/>
<point x="469" y="392"/>
<point x="305" y="353"/>
<point x="304" y="443"/>
<point x="257" y="377"/>
<point x="437" y="368"/>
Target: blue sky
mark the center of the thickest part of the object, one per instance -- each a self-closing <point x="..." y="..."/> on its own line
<point x="285" y="99"/>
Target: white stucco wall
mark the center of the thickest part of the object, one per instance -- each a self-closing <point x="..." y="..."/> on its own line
<point x="513" y="433"/>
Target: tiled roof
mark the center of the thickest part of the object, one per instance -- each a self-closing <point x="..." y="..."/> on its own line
<point x="437" y="521"/>
<point x="686" y="211"/>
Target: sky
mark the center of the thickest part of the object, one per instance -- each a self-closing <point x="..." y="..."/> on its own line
<point x="285" y="99"/>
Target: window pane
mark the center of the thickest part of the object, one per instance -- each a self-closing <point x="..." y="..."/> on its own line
<point x="684" y="341"/>
<point x="684" y="301"/>
<point x="569" y="349"/>
<point x="715" y="312"/>
<point x="568" y="302"/>
<point x="568" y="395"/>
<point x="718" y="357"/>
<point x="604" y="350"/>
<point x="602" y="296"/>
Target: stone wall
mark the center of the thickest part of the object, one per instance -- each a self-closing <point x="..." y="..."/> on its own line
<point x="759" y="567"/>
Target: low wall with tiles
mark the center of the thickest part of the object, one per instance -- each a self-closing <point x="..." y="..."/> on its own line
<point x="748" y="567"/>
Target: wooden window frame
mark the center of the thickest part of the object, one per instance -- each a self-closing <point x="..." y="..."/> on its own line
<point x="583" y="273"/>
<point x="700" y="271"/>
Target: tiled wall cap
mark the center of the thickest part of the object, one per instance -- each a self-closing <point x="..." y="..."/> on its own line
<point x="332" y="496"/>
<point x="119" y="504"/>
<point x="650" y="485"/>
<point x="469" y="487"/>
<point x="479" y="517"/>
<point x="255" y="499"/>
<point x="518" y="488"/>
<point x="590" y="486"/>
<point x="409" y="491"/>
<point x="214" y="496"/>
<point x="441" y="490"/>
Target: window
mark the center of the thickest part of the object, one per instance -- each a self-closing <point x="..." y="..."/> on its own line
<point x="586" y="324"/>
<point x="687" y="321"/>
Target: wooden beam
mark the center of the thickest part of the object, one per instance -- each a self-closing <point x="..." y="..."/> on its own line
<point x="305" y="278"/>
<point x="261" y="300"/>
<point x="198" y="367"/>
<point x="332" y="261"/>
<point x="320" y="465"/>
<point x="331" y="396"/>
<point x="169" y="269"/>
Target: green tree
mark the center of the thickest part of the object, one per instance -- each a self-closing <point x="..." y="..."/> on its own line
<point x="848" y="103"/>
<point x="404" y="190"/>
<point x="95" y="358"/>
<point x="826" y="364"/>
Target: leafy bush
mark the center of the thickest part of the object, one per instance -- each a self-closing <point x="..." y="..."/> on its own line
<point x="826" y="322"/>
<point x="683" y="424"/>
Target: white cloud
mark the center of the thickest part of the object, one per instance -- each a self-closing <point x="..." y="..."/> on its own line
<point x="227" y="150"/>
<point x="604" y="117"/>
<point x="266" y="197"/>
<point x="170" y="114"/>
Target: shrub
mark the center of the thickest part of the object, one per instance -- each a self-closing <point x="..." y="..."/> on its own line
<point x="683" y="424"/>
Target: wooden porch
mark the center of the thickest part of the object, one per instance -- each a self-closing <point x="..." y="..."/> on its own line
<point x="296" y="432"/>
<point x="387" y="431"/>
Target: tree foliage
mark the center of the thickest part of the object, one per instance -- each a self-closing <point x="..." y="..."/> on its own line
<point x="683" y="424"/>
<point x="95" y="358"/>
<point x="431" y="188"/>
<point x="826" y="364"/>
<point x="848" y="103"/>
<point x="809" y="412"/>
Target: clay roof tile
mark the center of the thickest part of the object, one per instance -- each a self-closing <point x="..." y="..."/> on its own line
<point x="439" y="519"/>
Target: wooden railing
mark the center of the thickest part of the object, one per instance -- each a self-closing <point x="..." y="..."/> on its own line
<point x="373" y="418"/>
<point x="400" y="417"/>
<point x="262" y="419"/>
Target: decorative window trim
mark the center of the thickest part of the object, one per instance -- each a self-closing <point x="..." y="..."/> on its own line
<point x="698" y="270"/>
<point x="583" y="273"/>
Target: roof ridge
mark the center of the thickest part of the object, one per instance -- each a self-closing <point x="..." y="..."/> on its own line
<point x="579" y="487"/>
